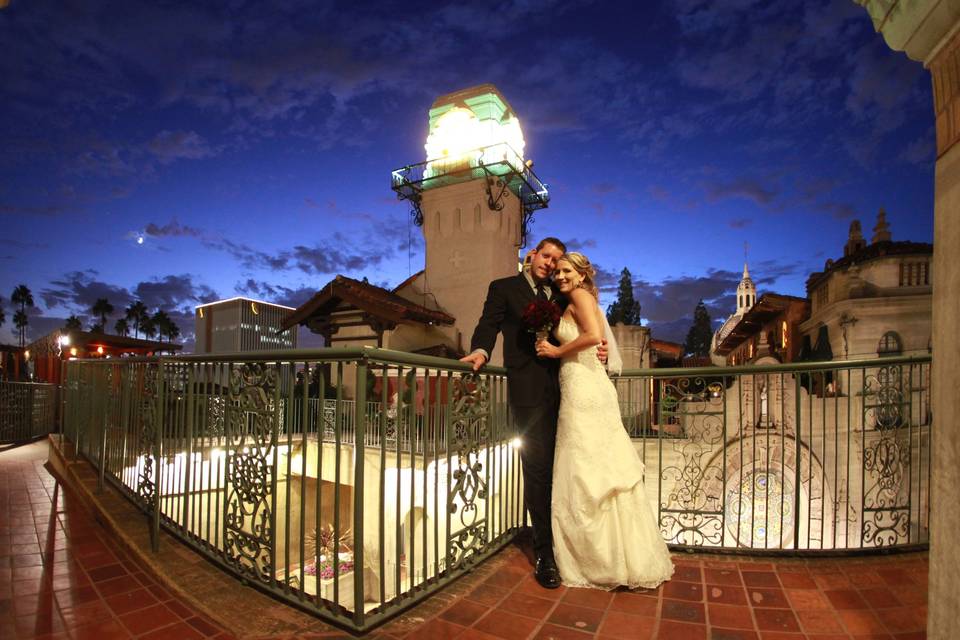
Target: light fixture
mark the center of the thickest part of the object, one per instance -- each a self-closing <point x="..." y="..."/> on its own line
<point x="73" y="351"/>
<point x="516" y="443"/>
<point x="100" y="350"/>
<point x="26" y="354"/>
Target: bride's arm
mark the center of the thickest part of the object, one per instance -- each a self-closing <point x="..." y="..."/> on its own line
<point x="591" y="334"/>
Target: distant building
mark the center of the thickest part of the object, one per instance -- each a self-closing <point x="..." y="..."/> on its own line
<point x="242" y="324"/>
<point x="770" y="328"/>
<point x="874" y="301"/>
<point x="746" y="297"/>
<point x="44" y="355"/>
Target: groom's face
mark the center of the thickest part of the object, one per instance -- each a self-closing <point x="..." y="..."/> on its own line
<point x="545" y="261"/>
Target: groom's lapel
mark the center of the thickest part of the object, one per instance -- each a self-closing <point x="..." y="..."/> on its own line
<point x="524" y="289"/>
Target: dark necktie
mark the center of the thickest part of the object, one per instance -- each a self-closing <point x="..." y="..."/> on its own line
<point x="542" y="292"/>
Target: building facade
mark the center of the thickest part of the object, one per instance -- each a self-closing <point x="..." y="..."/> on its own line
<point x="242" y="324"/>
<point x="874" y="301"/>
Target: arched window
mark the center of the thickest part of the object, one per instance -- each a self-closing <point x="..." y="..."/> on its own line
<point x="890" y="344"/>
<point x="783" y="334"/>
<point x="740" y="301"/>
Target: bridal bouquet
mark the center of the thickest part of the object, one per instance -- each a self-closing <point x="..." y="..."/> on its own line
<point x="540" y="317"/>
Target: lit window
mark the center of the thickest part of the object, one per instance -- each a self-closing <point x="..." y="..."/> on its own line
<point x="890" y="344"/>
<point x="783" y="335"/>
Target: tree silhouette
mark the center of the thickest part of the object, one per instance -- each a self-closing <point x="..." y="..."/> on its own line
<point x="72" y="324"/>
<point x="136" y="313"/>
<point x="148" y="326"/>
<point x="20" y="321"/>
<point x="700" y="334"/>
<point x="102" y="308"/>
<point x="23" y="297"/>
<point x="162" y="323"/>
<point x="121" y="327"/>
<point x="3" y="316"/>
<point x="625" y="308"/>
<point x="173" y="331"/>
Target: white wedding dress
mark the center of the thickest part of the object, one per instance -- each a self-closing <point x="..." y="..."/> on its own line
<point x="604" y="531"/>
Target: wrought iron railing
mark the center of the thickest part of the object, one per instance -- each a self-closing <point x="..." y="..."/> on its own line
<point x="28" y="410"/>
<point x="252" y="459"/>
<point x="797" y="458"/>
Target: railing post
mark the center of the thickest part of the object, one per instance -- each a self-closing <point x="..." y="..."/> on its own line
<point x="359" y="451"/>
<point x="157" y="446"/>
<point x="798" y="459"/>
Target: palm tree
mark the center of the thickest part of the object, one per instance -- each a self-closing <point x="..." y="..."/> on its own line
<point x="72" y="324"/>
<point x="173" y="332"/>
<point x="23" y="297"/>
<point x="148" y="326"/>
<point x="162" y="323"/>
<point x="20" y="321"/>
<point x="121" y="327"/>
<point x="102" y="308"/>
<point x="136" y="314"/>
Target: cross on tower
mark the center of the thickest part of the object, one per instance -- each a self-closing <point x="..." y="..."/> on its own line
<point x="456" y="259"/>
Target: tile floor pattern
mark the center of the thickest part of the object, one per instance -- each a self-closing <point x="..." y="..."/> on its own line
<point x="60" y="577"/>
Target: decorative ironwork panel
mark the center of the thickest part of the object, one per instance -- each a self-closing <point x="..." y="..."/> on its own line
<point x="149" y="424"/>
<point x="689" y="513"/>
<point x="886" y="458"/>
<point x="251" y="436"/>
<point x="470" y="414"/>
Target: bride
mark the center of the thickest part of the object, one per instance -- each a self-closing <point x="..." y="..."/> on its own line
<point x="604" y="531"/>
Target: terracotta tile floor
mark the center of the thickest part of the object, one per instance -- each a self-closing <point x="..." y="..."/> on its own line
<point x="61" y="576"/>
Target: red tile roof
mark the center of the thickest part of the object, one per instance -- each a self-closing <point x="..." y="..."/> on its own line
<point x="372" y="299"/>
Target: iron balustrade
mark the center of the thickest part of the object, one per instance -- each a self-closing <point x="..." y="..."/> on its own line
<point x="255" y="461"/>
<point x="28" y="410"/>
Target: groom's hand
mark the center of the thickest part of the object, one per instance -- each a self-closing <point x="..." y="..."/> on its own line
<point x="602" y="351"/>
<point x="476" y="359"/>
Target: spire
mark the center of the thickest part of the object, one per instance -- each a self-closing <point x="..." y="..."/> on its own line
<point x="881" y="232"/>
<point x="746" y="290"/>
<point x="855" y="240"/>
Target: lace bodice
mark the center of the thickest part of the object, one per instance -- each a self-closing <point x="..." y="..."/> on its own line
<point x="567" y="331"/>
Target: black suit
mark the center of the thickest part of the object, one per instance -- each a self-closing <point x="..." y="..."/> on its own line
<point x="534" y="394"/>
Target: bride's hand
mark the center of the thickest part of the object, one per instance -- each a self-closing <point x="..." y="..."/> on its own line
<point x="547" y="350"/>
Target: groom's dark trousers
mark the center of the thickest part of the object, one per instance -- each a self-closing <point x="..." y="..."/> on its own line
<point x="534" y="395"/>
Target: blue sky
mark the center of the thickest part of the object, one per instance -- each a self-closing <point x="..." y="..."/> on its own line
<point x="250" y="144"/>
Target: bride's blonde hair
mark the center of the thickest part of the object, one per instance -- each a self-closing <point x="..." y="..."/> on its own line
<point x="582" y="266"/>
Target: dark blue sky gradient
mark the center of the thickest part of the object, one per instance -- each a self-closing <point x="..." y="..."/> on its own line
<point x="251" y="143"/>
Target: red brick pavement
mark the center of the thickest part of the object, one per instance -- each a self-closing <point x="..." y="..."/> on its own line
<point x="61" y="576"/>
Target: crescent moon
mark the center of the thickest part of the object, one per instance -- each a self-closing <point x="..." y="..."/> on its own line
<point x="253" y="307"/>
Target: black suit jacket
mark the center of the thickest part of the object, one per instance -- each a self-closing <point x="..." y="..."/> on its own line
<point x="529" y="377"/>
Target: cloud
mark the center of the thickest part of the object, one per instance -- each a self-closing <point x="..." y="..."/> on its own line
<point x="169" y="146"/>
<point x="173" y="291"/>
<point x="575" y="244"/>
<point x="276" y="293"/>
<point x="172" y="228"/>
<point x="78" y="290"/>
<point x="739" y="223"/>
<point x="749" y="189"/>
<point x="921" y="151"/>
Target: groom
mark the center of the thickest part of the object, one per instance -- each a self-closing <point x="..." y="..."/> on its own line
<point x="534" y="391"/>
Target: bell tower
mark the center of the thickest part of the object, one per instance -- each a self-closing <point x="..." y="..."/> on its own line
<point x="746" y="292"/>
<point x="473" y="196"/>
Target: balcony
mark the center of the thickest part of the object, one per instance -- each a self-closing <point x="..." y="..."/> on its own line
<point x="255" y="463"/>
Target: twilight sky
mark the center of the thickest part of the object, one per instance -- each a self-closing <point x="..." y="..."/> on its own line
<point x="250" y="143"/>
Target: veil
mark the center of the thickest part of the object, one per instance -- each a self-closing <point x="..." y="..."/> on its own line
<point x="614" y="360"/>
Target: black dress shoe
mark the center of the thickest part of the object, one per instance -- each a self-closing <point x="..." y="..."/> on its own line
<point x="547" y="573"/>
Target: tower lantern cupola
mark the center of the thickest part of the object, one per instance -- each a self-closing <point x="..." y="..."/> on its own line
<point x="474" y="196"/>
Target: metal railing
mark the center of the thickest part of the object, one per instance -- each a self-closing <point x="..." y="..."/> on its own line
<point x="28" y="410"/>
<point x="252" y="459"/>
<point x="797" y="458"/>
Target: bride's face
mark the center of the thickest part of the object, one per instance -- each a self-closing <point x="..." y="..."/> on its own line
<point x="566" y="277"/>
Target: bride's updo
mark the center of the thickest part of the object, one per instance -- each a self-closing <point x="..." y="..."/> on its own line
<point x="582" y="265"/>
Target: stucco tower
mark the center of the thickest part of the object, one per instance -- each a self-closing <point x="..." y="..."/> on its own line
<point x="474" y="197"/>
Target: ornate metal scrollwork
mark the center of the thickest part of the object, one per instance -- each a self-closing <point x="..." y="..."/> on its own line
<point x="149" y="423"/>
<point x="689" y="513"/>
<point x="251" y="436"/>
<point x="470" y="414"/>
